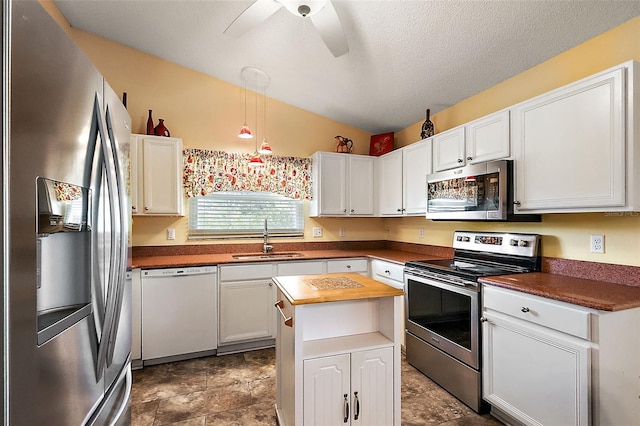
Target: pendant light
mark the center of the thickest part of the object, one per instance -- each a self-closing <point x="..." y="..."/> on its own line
<point x="245" y="133"/>
<point x="261" y="80"/>
<point x="265" y="149"/>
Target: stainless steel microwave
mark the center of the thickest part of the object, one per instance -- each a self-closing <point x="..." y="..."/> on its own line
<point x="482" y="191"/>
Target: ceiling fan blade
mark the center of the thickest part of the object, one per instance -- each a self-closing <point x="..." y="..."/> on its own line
<point x="329" y="27"/>
<point x="254" y="15"/>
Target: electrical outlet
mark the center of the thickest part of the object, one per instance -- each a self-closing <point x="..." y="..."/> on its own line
<point x="597" y="243"/>
<point x="421" y="232"/>
<point x="341" y="232"/>
<point x="171" y="233"/>
<point x="317" y="232"/>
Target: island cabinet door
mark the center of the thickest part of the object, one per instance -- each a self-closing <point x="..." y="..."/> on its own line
<point x="326" y="390"/>
<point x="372" y="387"/>
<point x="354" y="389"/>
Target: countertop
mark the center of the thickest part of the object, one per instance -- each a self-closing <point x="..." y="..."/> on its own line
<point x="593" y="294"/>
<point x="336" y="287"/>
<point x="150" y="262"/>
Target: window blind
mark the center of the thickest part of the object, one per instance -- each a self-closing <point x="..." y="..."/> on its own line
<point x="242" y="214"/>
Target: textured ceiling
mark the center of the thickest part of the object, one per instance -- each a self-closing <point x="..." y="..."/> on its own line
<point x="404" y="56"/>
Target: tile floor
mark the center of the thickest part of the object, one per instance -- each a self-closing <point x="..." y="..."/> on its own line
<point x="239" y="389"/>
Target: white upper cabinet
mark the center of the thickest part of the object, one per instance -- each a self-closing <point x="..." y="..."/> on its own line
<point x="448" y="149"/>
<point x="342" y="185"/>
<point x="574" y="147"/>
<point x="487" y="138"/>
<point x="401" y="180"/>
<point x="156" y="176"/>
<point x="484" y="139"/>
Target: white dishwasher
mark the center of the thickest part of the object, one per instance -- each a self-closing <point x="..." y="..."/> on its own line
<point x="179" y="312"/>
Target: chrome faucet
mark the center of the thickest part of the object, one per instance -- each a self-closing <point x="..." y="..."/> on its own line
<point x="266" y="247"/>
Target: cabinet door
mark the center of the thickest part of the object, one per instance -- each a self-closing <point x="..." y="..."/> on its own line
<point x="246" y="311"/>
<point x="135" y="174"/>
<point x="361" y="185"/>
<point x="389" y="177"/>
<point x="448" y="149"/>
<point x="487" y="138"/>
<point x="569" y="147"/>
<point x="372" y="387"/>
<point x="133" y="278"/>
<point x="332" y="184"/>
<point x="326" y="399"/>
<point x="538" y="377"/>
<point x="416" y="165"/>
<point x="162" y="183"/>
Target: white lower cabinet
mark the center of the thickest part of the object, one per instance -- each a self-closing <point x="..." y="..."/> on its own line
<point x="391" y="273"/>
<point x="360" y="265"/>
<point x="136" y="314"/>
<point x="354" y="388"/>
<point x="547" y="362"/>
<point x="247" y="296"/>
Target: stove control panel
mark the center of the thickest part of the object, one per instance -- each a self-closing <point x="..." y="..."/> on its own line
<point x="498" y="242"/>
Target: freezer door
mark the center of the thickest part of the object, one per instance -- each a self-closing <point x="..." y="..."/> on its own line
<point x="59" y="133"/>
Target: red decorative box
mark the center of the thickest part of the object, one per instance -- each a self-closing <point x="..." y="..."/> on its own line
<point x="381" y="144"/>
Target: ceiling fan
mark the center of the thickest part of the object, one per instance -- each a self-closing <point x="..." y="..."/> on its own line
<point x="320" y="12"/>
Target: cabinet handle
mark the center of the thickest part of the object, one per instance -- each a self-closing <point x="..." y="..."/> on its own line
<point x="348" y="266"/>
<point x="483" y="319"/>
<point x="524" y="309"/>
<point x="516" y="203"/>
<point x="287" y="321"/>
<point x="460" y="160"/>
<point x="146" y="208"/>
<point x="399" y="210"/>
<point x="133" y="208"/>
<point x="344" y="211"/>
<point x="357" y="404"/>
<point x="388" y="272"/>
<point x="352" y="210"/>
<point x="346" y="408"/>
<point x="469" y="158"/>
<point x="271" y="284"/>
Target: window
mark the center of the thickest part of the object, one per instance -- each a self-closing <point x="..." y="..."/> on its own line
<point x="242" y="214"/>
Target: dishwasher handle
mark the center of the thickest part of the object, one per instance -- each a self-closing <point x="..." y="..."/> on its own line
<point x="179" y="272"/>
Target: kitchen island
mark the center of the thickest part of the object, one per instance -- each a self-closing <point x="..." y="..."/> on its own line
<point x="337" y="350"/>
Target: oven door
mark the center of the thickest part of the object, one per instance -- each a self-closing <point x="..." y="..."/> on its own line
<point x="445" y="316"/>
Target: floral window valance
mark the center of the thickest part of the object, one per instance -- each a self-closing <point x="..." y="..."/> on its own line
<point x="211" y="171"/>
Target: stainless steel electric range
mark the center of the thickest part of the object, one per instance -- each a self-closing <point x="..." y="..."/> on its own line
<point x="443" y="334"/>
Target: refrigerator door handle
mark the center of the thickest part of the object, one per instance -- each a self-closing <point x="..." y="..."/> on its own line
<point x="119" y="195"/>
<point x="97" y="131"/>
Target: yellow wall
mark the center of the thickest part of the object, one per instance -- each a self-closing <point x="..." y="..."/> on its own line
<point x="206" y="113"/>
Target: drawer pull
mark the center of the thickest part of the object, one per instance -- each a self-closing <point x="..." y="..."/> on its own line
<point x="483" y="319"/>
<point x="388" y="272"/>
<point x="524" y="309"/>
<point x="287" y="321"/>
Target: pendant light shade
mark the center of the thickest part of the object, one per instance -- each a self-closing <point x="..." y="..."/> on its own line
<point x="256" y="162"/>
<point x="265" y="149"/>
<point x="245" y="133"/>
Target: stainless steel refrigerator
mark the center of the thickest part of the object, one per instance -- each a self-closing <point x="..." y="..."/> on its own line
<point x="66" y="318"/>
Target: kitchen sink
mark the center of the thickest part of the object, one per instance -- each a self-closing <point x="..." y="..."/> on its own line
<point x="266" y="256"/>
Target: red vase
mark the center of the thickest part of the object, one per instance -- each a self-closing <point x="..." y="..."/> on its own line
<point x="150" y="130"/>
<point x="161" y="129"/>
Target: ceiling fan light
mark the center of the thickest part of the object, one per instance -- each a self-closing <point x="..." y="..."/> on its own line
<point x="265" y="149"/>
<point x="303" y="8"/>
<point x="245" y="133"/>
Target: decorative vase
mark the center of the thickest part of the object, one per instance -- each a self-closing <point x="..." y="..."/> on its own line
<point x="427" y="127"/>
<point x="161" y="129"/>
<point x="150" y="128"/>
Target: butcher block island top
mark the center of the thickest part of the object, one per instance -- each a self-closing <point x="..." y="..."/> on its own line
<point x="336" y="287"/>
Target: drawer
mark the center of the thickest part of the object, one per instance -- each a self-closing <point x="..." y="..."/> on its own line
<point x="390" y="270"/>
<point x="560" y="316"/>
<point x="348" y="265"/>
<point x="246" y="272"/>
<point x="300" y="268"/>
